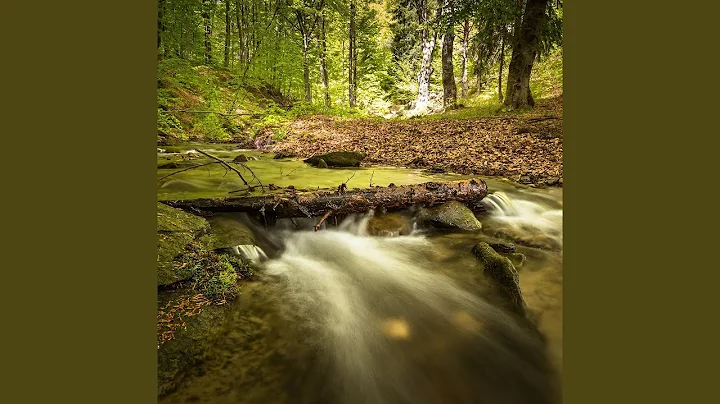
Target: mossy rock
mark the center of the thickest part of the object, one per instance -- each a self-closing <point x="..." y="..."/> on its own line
<point x="503" y="275"/>
<point x="451" y="214"/>
<point x="228" y="232"/>
<point x="191" y="345"/>
<point x="391" y="224"/>
<point x="176" y="164"/>
<point x="240" y="158"/>
<point x="177" y="230"/>
<point x="338" y="159"/>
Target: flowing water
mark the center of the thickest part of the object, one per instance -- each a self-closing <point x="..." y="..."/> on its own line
<point x="340" y="316"/>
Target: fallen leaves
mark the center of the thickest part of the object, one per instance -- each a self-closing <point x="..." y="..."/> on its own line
<point x="490" y="146"/>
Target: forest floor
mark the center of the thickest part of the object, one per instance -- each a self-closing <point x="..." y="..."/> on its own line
<point x="525" y="147"/>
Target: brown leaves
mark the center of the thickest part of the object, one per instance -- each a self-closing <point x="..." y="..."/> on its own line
<point x="485" y="146"/>
<point x="172" y="316"/>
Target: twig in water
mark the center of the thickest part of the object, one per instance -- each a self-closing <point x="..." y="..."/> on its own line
<point x="322" y="219"/>
<point x="371" y="177"/>
<point x="186" y="169"/>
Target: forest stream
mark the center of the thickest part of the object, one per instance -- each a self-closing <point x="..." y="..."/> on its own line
<point x="352" y="314"/>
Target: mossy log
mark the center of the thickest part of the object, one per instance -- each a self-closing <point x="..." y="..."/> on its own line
<point x="290" y="203"/>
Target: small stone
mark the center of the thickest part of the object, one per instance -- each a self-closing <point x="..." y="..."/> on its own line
<point x="240" y="158"/>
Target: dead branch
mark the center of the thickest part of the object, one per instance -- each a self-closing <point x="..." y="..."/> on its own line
<point x="322" y="219"/>
<point x="227" y="166"/>
<point x="188" y="168"/>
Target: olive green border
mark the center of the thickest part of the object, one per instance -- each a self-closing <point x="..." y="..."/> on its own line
<point x="632" y="144"/>
<point x="79" y="289"/>
<point x="79" y="130"/>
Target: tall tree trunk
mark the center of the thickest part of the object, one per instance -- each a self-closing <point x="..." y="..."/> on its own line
<point x="500" y="72"/>
<point x="466" y="40"/>
<point x="428" y="48"/>
<point x="226" y="60"/>
<point x="323" y="65"/>
<point x="448" y="75"/>
<point x="160" y="24"/>
<point x="306" y="67"/>
<point x="479" y="71"/>
<point x="352" y="57"/>
<point x="524" y="54"/>
<point x="208" y="31"/>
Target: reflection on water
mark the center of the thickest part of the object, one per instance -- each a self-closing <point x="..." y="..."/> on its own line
<point x="338" y="316"/>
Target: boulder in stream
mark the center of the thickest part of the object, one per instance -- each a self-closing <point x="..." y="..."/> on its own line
<point x="338" y="159"/>
<point x="451" y="214"/>
<point x="503" y="275"/>
<point x="240" y="158"/>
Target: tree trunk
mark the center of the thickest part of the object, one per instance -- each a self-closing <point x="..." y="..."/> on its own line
<point x="524" y="54"/>
<point x="318" y="203"/>
<point x="352" y="57"/>
<point x="479" y="71"/>
<point x="428" y="48"/>
<point x="208" y="31"/>
<point x="500" y="72"/>
<point x="160" y="24"/>
<point x="448" y="74"/>
<point x="226" y="60"/>
<point x="466" y="40"/>
<point x="306" y="67"/>
<point x="323" y="64"/>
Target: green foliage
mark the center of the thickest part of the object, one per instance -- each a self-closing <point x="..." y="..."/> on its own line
<point x="219" y="275"/>
<point x="169" y="126"/>
<point x="265" y="60"/>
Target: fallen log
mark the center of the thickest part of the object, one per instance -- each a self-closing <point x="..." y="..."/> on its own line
<point x="339" y="202"/>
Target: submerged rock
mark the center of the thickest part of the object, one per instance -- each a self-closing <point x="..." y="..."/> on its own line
<point x="338" y="159"/>
<point x="240" y="158"/>
<point x="176" y="230"/>
<point x="503" y="247"/>
<point x="284" y="155"/>
<point x="389" y="225"/>
<point x="503" y="274"/>
<point x="190" y="345"/>
<point x="451" y="214"/>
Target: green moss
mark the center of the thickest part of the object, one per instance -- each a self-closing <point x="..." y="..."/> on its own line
<point x="451" y="214"/>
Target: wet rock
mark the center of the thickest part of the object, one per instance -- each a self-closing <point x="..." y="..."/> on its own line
<point x="176" y="164"/>
<point x="503" y="247"/>
<point x="284" y="155"/>
<point x="518" y="259"/>
<point x="338" y="159"/>
<point x="503" y="275"/>
<point x="229" y="232"/>
<point x="451" y="214"/>
<point x="176" y="230"/>
<point x="240" y="158"/>
<point x="322" y="164"/>
<point x="552" y="181"/>
<point x="190" y="346"/>
<point x="389" y="225"/>
<point x="524" y="179"/>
